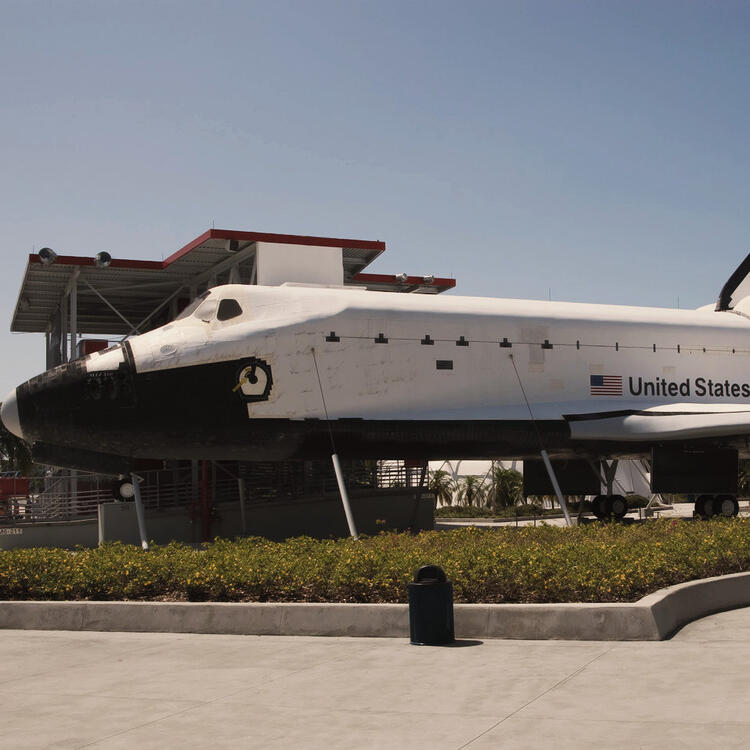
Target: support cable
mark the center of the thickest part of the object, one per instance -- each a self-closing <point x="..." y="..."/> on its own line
<point x="545" y="457"/>
<point x="323" y="399"/>
<point x="335" y="458"/>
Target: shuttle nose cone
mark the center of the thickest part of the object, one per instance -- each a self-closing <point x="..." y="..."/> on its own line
<point x="9" y="414"/>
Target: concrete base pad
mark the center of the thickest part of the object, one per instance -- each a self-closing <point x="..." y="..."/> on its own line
<point x="653" y="618"/>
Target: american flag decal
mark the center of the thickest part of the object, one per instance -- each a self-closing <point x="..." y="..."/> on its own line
<point x="606" y="385"/>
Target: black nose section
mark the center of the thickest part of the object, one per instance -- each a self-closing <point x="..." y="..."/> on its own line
<point x="68" y="405"/>
<point x="9" y="414"/>
<point x="48" y="403"/>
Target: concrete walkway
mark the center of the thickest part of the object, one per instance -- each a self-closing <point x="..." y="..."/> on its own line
<point x="677" y="510"/>
<point x="124" y="690"/>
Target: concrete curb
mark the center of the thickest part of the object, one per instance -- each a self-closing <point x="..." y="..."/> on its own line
<point x="653" y="618"/>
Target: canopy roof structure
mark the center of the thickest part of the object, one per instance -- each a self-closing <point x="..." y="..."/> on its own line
<point x="69" y="296"/>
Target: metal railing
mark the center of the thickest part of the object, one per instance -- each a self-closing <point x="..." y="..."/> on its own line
<point x="71" y="496"/>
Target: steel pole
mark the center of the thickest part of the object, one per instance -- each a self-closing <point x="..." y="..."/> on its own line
<point x="344" y="496"/>
<point x="556" y="487"/>
<point x="139" y="511"/>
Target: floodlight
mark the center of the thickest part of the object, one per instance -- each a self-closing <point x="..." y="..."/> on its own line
<point x="402" y="277"/>
<point x="102" y="259"/>
<point x="428" y="278"/>
<point x="47" y="255"/>
<point x="127" y="491"/>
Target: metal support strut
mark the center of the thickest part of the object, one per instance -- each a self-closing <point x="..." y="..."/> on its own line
<point x="545" y="457"/>
<point x="335" y="457"/>
<point x="344" y="496"/>
<point x="556" y="486"/>
<point x="139" y="511"/>
<point x="610" y="472"/>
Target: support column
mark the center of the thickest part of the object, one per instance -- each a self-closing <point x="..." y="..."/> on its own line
<point x="73" y="493"/>
<point x="242" y="487"/>
<point x="74" y="315"/>
<point x="418" y="499"/>
<point x="556" y="487"/>
<point x="194" y="479"/>
<point x="55" y="346"/>
<point x="204" y="501"/>
<point x="344" y="496"/>
<point x="139" y="511"/>
<point x="64" y="329"/>
<point x="610" y="471"/>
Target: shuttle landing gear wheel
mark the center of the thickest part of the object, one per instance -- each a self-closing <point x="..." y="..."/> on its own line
<point x="619" y="506"/>
<point x="601" y="506"/>
<point x="705" y="506"/>
<point x="726" y="506"/>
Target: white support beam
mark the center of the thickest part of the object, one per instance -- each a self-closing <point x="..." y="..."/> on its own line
<point x="64" y="328"/>
<point x="73" y="296"/>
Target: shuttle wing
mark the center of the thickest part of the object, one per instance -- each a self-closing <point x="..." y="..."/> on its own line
<point x="667" y="422"/>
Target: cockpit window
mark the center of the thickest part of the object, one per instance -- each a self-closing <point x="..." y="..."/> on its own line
<point x="207" y="311"/>
<point x="192" y="307"/>
<point x="228" y="309"/>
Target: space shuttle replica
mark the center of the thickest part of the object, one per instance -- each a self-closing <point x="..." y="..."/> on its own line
<point x="296" y="371"/>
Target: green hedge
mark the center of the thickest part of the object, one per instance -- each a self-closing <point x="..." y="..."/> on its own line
<point x="464" y="511"/>
<point x="511" y="511"/>
<point x="594" y="562"/>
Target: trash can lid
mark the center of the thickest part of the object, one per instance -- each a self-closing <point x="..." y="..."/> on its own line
<point x="430" y="574"/>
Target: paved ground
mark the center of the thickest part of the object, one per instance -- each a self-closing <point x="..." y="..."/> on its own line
<point x="116" y="690"/>
<point x="678" y="510"/>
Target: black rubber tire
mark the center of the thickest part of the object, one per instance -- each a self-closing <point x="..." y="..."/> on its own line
<point x="601" y="507"/>
<point x="726" y="506"/>
<point x="704" y="506"/>
<point x="619" y="506"/>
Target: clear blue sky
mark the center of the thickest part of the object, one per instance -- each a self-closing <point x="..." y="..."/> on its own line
<point x="599" y="149"/>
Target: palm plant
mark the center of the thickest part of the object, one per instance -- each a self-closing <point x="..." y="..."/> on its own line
<point x="443" y="485"/>
<point x="743" y="484"/>
<point x="506" y="487"/>
<point x="472" y="490"/>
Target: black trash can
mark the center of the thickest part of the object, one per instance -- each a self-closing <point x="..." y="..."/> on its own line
<point x="431" y="608"/>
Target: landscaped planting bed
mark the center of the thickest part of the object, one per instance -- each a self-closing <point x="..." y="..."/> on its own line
<point x="591" y="563"/>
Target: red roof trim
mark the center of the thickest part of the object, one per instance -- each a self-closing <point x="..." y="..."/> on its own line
<point x="221" y="234"/>
<point x="187" y="248"/>
<point x="292" y="239"/>
<point x="386" y="278"/>
<point x="72" y="260"/>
